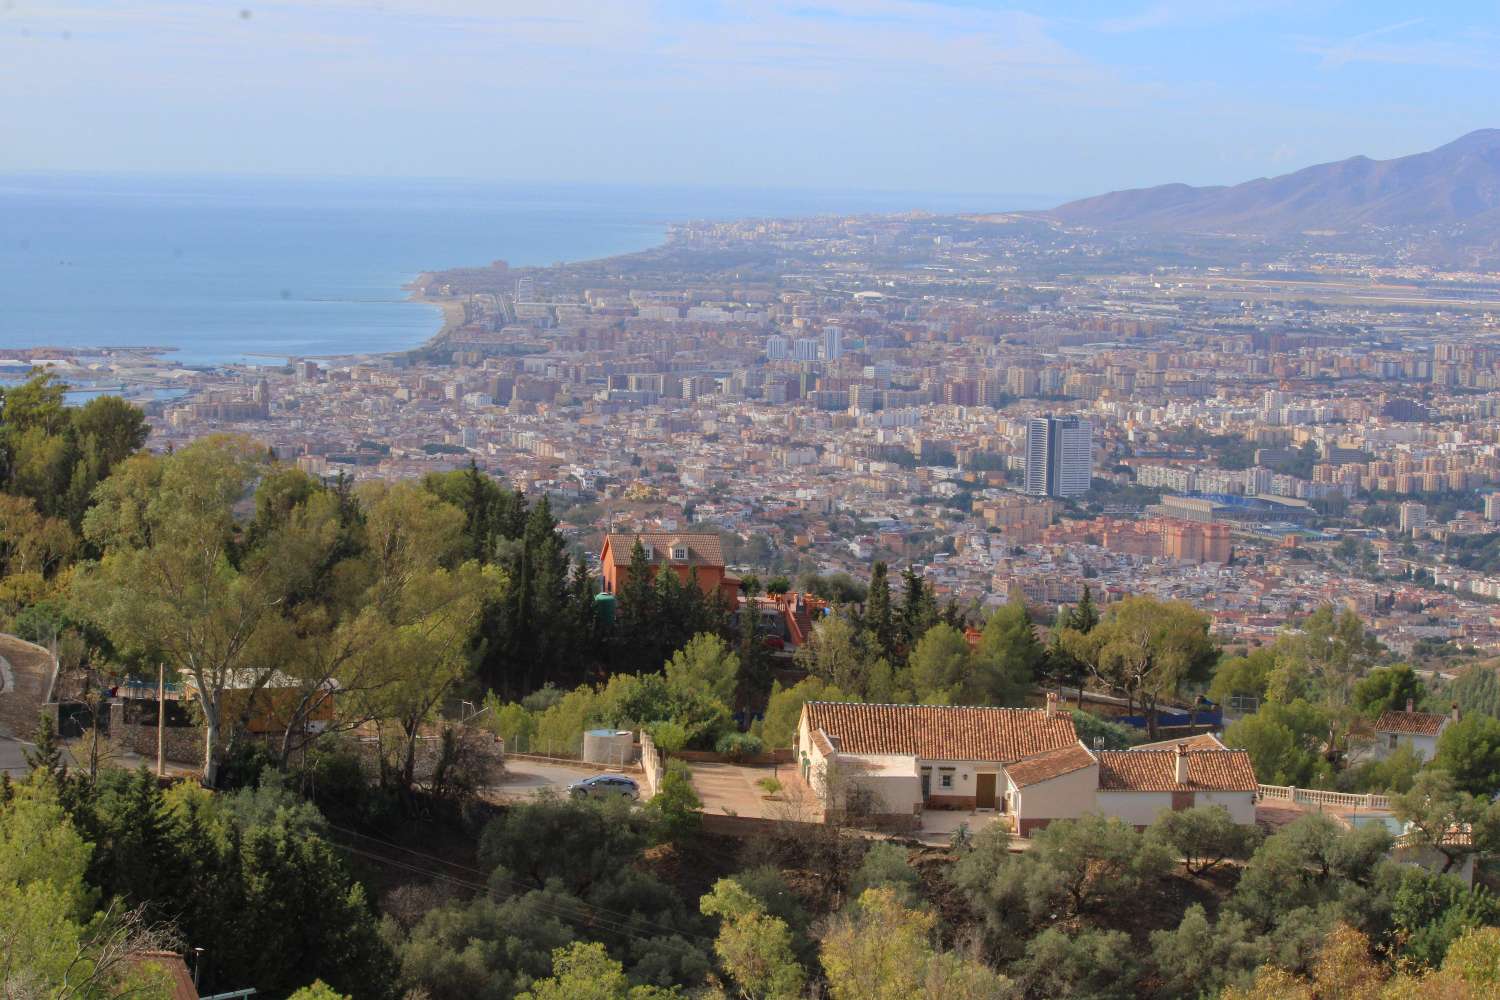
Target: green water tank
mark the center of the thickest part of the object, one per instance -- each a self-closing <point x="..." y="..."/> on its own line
<point x="604" y="608"/>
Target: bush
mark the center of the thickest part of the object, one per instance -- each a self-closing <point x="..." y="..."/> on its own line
<point x="676" y="807"/>
<point x="669" y="737"/>
<point x="738" y="746"/>
<point x="1204" y="836"/>
<point x="887" y="866"/>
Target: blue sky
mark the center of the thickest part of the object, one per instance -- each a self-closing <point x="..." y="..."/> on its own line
<point x="1042" y="99"/>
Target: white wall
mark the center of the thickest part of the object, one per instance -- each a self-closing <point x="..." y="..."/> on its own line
<point x="1067" y="796"/>
<point x="893" y="793"/>
<point x="1241" y="805"/>
<point x="1142" y="808"/>
<point x="1425" y="746"/>
<point x="1135" y="808"/>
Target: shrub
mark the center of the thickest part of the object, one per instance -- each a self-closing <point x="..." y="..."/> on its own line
<point x="669" y="737"/>
<point x="738" y="746"/>
<point x="676" y="807"/>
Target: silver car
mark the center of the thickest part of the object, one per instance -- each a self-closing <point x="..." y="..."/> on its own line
<point x="603" y="786"/>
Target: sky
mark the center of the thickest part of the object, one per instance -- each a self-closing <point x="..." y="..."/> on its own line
<point x="1031" y="102"/>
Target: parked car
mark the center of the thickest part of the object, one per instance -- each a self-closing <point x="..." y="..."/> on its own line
<point x="602" y="786"/>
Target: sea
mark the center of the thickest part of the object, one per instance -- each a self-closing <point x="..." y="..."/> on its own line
<point x="219" y="270"/>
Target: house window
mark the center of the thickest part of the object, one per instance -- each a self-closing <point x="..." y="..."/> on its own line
<point x="648" y="552"/>
<point x="680" y="553"/>
<point x="945" y="778"/>
<point x="1393" y="741"/>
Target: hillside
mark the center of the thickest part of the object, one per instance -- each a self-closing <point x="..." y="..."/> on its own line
<point x="1455" y="187"/>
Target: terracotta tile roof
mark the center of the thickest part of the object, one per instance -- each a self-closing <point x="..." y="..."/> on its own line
<point x="1156" y="771"/>
<point x="1414" y="723"/>
<point x="1049" y="764"/>
<point x="1203" y="741"/>
<point x="703" y="547"/>
<point x="942" y="732"/>
<point x="823" y="743"/>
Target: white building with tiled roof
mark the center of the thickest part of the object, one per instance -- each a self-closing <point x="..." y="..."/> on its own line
<point x="1025" y="762"/>
<point x="1418" y="730"/>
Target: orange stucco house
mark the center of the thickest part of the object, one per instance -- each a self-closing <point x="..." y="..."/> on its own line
<point x="683" y="551"/>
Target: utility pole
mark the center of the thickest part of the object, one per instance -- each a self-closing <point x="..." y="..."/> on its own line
<point x="161" y="717"/>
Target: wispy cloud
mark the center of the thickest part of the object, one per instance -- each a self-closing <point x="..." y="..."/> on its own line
<point x="1187" y="13"/>
<point x="1376" y="46"/>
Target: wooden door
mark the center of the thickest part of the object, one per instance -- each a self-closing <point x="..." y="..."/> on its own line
<point x="984" y="791"/>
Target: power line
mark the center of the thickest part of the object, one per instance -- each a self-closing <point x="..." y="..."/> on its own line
<point x="615" y="920"/>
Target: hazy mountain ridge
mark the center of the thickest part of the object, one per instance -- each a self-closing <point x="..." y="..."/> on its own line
<point x="1455" y="186"/>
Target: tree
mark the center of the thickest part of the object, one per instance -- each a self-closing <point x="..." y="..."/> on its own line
<point x="584" y="971"/>
<point x="705" y="664"/>
<point x="173" y="583"/>
<point x="419" y="610"/>
<point x="1477" y="690"/>
<point x="940" y="666"/>
<point x="1092" y="963"/>
<point x="319" y="990"/>
<point x="919" y="611"/>
<point x="1469" y="750"/>
<point x="1204" y="836"/>
<point x="1388" y="689"/>
<point x="1150" y="649"/>
<point x="754" y="947"/>
<point x="1078" y="868"/>
<point x="1443" y="819"/>
<point x="676" y="805"/>
<point x="784" y="709"/>
<point x="1321" y="660"/>
<point x="1285" y="742"/>
<point x="883" y="950"/>
<point x="1430" y="911"/>
<point x="879" y="618"/>
<point x="886" y="866"/>
<point x="834" y="655"/>
<point x="1083" y="616"/>
<point x="1008" y="658"/>
<point x="1311" y="865"/>
<point x="576" y="844"/>
<point x="52" y="942"/>
<point x="1243" y="676"/>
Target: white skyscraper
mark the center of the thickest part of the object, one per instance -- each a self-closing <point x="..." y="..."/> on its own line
<point x="805" y="349"/>
<point x="776" y="347"/>
<point x="1059" y="456"/>
<point x="833" y="343"/>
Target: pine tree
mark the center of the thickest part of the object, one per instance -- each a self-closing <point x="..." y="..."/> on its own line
<point x="919" y="610"/>
<point x="1084" y="615"/>
<point x="46" y="755"/>
<point x="878" y="616"/>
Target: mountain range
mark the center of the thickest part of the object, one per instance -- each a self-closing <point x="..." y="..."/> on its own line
<point x="1454" y="188"/>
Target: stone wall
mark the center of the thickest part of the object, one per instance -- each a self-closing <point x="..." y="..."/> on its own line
<point x="180" y="745"/>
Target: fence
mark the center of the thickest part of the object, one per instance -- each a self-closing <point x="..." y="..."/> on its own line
<point x="651" y="764"/>
<point x="1318" y="797"/>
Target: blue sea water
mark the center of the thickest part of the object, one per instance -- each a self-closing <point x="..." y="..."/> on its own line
<point x="228" y="269"/>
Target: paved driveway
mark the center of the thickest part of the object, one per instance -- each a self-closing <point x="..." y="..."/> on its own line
<point x="731" y="790"/>
<point x="24" y="672"/>
<point x="525" y="779"/>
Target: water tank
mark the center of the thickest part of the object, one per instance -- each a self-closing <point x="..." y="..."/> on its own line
<point x="604" y="609"/>
<point x="614" y="747"/>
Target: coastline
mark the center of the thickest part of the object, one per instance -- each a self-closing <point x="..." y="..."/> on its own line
<point x="452" y="308"/>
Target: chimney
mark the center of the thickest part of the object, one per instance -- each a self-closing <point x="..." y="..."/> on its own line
<point x="1051" y="704"/>
<point x="1410" y="705"/>
<point x="1182" y="762"/>
<point x="1455" y="711"/>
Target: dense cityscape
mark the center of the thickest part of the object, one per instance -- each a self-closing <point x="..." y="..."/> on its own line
<point x="1258" y="438"/>
<point x="926" y="500"/>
